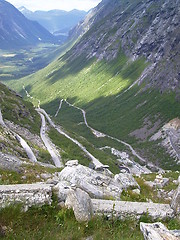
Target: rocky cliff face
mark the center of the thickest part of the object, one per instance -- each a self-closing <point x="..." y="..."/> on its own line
<point x="149" y="29"/>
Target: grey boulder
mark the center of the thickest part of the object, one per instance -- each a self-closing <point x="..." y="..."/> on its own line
<point x="96" y="184"/>
<point x="81" y="204"/>
<point x="62" y="189"/>
<point x="126" y="180"/>
<point x="175" y="204"/>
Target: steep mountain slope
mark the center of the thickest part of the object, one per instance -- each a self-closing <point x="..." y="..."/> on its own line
<point x="20" y="117"/>
<point x="57" y="22"/>
<point x="29" y="135"/>
<point x="123" y="72"/>
<point x="142" y="28"/>
<point x="17" y="31"/>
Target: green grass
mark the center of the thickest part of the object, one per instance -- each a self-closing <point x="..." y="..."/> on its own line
<point x="69" y="150"/>
<point x="21" y="112"/>
<point x="172" y="176"/>
<point x="44" y="156"/>
<point x="51" y="222"/>
<point x="98" y="87"/>
<point x="68" y="79"/>
<point x="146" y="193"/>
<point x="31" y="172"/>
<point x="16" y="64"/>
<point x="88" y="140"/>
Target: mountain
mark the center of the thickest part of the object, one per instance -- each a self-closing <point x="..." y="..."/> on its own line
<point x="17" y="31"/>
<point x="104" y="103"/>
<point x="18" y="118"/>
<point x="123" y="71"/>
<point x="142" y="28"/>
<point x="58" y="22"/>
<point x="24" y="10"/>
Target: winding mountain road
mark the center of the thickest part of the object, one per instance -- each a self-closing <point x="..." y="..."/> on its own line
<point x="52" y="151"/>
<point x="95" y="132"/>
<point x="100" y="134"/>
<point x="1" y="120"/>
<point x="48" y="144"/>
<point x="23" y="143"/>
<point x="94" y="160"/>
<point x="59" y="108"/>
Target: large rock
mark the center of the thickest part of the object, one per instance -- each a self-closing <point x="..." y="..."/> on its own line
<point x="62" y="189"/>
<point x="124" y="210"/>
<point x="157" y="231"/>
<point x="96" y="184"/>
<point x="28" y="195"/>
<point x="126" y="180"/>
<point x="175" y="204"/>
<point x="81" y="204"/>
<point x="72" y="163"/>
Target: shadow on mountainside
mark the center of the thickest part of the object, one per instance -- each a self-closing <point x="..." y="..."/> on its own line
<point x="120" y="116"/>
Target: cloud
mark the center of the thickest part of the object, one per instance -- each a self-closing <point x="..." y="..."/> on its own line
<point x="55" y="4"/>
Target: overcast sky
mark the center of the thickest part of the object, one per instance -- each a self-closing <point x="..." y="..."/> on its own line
<point x="55" y="4"/>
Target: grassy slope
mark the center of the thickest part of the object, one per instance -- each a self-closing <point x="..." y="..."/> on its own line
<point x="21" y="112"/>
<point x="95" y="86"/>
<point x="54" y="223"/>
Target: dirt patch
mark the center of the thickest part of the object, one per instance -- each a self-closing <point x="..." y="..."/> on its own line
<point x="174" y="123"/>
<point x="147" y="130"/>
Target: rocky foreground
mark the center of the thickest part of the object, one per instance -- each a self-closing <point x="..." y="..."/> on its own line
<point x="90" y="192"/>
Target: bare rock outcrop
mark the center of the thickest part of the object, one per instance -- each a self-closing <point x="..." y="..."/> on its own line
<point x="124" y="209"/>
<point x="169" y="135"/>
<point x="62" y="189"/>
<point x="157" y="231"/>
<point x="175" y="204"/>
<point x="96" y="184"/>
<point x="26" y="194"/>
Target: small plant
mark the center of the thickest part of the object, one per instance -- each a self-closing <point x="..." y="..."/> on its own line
<point x="146" y="218"/>
<point x="129" y="195"/>
<point x="63" y="215"/>
<point x="113" y="217"/>
<point x="173" y="224"/>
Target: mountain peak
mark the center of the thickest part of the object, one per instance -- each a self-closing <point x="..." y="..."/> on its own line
<point x="17" y="31"/>
<point x="23" y="9"/>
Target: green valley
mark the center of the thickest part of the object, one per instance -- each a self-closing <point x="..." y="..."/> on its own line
<point x="90" y="129"/>
<point x="101" y="88"/>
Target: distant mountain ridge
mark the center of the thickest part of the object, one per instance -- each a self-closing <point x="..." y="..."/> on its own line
<point x="55" y="21"/>
<point x="17" y="31"/>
